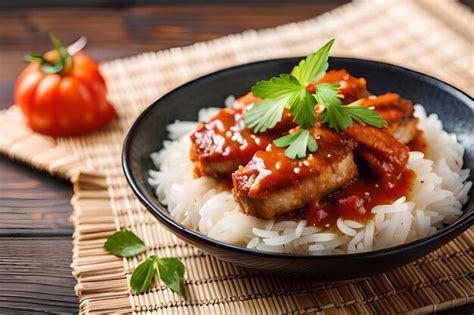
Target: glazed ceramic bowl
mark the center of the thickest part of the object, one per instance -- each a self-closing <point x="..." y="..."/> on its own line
<point x="148" y="132"/>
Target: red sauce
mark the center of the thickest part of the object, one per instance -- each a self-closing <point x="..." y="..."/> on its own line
<point x="356" y="200"/>
<point x="419" y="142"/>
<point x="225" y="137"/>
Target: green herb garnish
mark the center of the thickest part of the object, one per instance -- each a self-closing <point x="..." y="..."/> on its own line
<point x="299" y="92"/>
<point x="170" y="270"/>
<point x="124" y="244"/>
<point x="339" y="116"/>
<point x="297" y="143"/>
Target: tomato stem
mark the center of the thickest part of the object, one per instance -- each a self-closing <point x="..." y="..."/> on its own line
<point x="61" y="64"/>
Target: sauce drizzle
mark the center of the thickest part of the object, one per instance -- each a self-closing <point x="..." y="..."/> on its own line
<point x="355" y="201"/>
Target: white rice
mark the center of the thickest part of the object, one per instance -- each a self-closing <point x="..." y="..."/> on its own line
<point x="206" y="205"/>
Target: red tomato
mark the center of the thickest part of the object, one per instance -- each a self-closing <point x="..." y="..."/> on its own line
<point x="70" y="102"/>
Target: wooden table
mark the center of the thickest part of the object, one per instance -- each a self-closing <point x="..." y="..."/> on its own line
<point x="35" y="234"/>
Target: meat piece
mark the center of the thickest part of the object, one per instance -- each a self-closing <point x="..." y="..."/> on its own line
<point x="223" y="143"/>
<point x="220" y="145"/>
<point x="397" y="112"/>
<point x="351" y="88"/>
<point x="272" y="184"/>
<point x="386" y="155"/>
<point x="404" y="131"/>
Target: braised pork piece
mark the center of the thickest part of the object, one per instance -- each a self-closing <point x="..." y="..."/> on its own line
<point x="397" y="112"/>
<point x="272" y="184"/>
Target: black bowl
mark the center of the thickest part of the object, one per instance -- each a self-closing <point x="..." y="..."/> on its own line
<point x="148" y="133"/>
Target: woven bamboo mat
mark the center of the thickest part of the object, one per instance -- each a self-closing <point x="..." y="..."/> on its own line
<point x="435" y="37"/>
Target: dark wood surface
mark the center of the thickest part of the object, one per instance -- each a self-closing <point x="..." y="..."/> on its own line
<point x="35" y="233"/>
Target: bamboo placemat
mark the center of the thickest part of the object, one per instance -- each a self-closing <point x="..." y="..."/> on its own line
<point x="435" y="37"/>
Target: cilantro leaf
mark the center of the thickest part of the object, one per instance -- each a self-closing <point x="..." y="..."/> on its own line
<point x="124" y="244"/>
<point x="302" y="109"/>
<point x="276" y="87"/>
<point x="144" y="274"/>
<point x="265" y="114"/>
<point x="313" y="67"/>
<point x="171" y="273"/>
<point x="297" y="143"/>
<point x="365" y="116"/>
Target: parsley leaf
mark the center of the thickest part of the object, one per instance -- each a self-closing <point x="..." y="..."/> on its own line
<point x="283" y="85"/>
<point x="339" y="116"/>
<point x="276" y="92"/>
<point x="365" y="116"/>
<point x="297" y="143"/>
<point x="326" y="94"/>
<point x="334" y="115"/>
<point x="286" y="140"/>
<point x="124" y="244"/>
<point x="144" y="274"/>
<point x="313" y="67"/>
<point x="302" y="109"/>
<point x="265" y="114"/>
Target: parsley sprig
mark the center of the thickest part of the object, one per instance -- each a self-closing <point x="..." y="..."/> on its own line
<point x="293" y="91"/>
<point x="170" y="270"/>
<point x="339" y="116"/>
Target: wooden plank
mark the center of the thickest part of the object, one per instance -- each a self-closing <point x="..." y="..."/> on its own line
<point x="31" y="202"/>
<point x="35" y="275"/>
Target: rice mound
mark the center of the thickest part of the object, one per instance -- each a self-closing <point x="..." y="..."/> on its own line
<point x="203" y="204"/>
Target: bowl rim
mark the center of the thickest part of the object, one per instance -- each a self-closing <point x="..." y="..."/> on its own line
<point x="453" y="229"/>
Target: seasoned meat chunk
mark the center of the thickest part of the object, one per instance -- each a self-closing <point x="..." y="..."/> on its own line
<point x="397" y="112"/>
<point x="272" y="184"/>
<point x="220" y="145"/>
<point x="351" y="88"/>
<point x="386" y="155"/>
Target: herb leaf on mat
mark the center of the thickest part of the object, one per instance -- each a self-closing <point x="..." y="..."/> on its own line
<point x="143" y="275"/>
<point x="170" y="270"/>
<point x="124" y="244"/>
